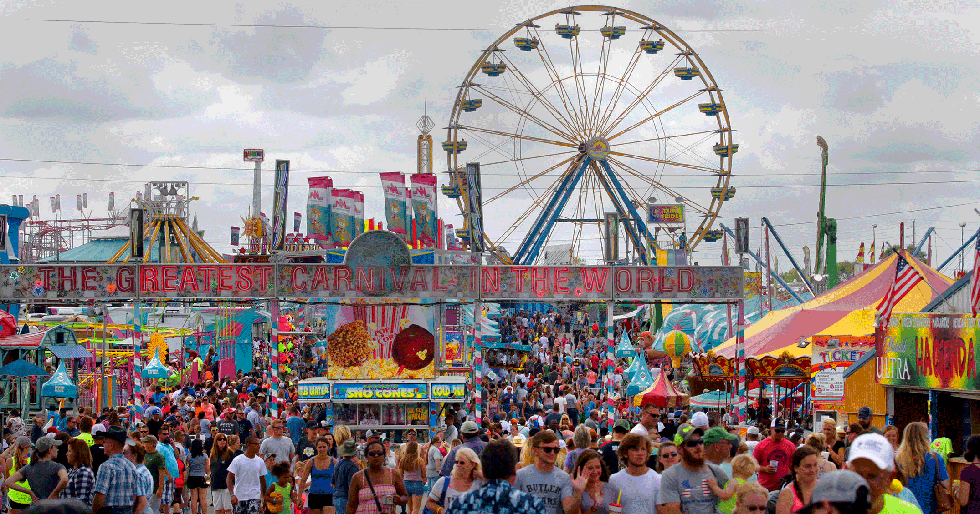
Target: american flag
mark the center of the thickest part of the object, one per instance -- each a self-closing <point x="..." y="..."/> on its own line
<point x="906" y="277"/>
<point x="975" y="292"/>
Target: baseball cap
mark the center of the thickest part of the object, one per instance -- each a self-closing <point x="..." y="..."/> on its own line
<point x="699" y="419"/>
<point x="24" y="441"/>
<point x="865" y="412"/>
<point x="369" y="433"/>
<point x="686" y="431"/>
<point x="717" y="435"/>
<point x="311" y="424"/>
<point x="518" y="441"/>
<point x="469" y="427"/>
<point x="752" y="431"/>
<point x="839" y="486"/>
<point x="46" y="443"/>
<point x="623" y="425"/>
<point x="875" y="448"/>
<point x="779" y="423"/>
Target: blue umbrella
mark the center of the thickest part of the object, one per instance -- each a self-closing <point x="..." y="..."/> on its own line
<point x="60" y="385"/>
<point x="22" y="369"/>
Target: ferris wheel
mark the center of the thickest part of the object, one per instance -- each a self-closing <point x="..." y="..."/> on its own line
<point x="584" y="113"/>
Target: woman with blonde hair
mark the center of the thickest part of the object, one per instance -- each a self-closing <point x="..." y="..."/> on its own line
<point x="411" y="466"/>
<point x="565" y="425"/>
<point x="751" y="498"/>
<point x="921" y="466"/>
<point x="824" y="465"/>
<point x="891" y="433"/>
<point x="832" y="444"/>
<point x="467" y="476"/>
<point x="340" y="434"/>
<point x="527" y="456"/>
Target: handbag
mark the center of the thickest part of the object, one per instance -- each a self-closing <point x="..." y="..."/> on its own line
<point x="442" y="498"/>
<point x="944" y="499"/>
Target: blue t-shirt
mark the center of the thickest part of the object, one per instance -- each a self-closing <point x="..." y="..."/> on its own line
<point x="170" y="459"/>
<point x="295" y="425"/>
<point x="922" y="485"/>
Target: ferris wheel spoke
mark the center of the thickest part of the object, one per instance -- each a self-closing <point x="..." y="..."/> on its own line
<point x="667" y="138"/>
<point x="549" y="66"/>
<point x="659" y="185"/>
<point x="517" y="136"/>
<point x="599" y="83"/>
<point x="667" y="162"/>
<point x="540" y="96"/>
<point x="518" y="159"/>
<point x="642" y="96"/>
<point x="577" y="75"/>
<point x="521" y="112"/>
<point x="656" y="114"/>
<point x="528" y="180"/>
<point x="549" y="193"/>
<point x="688" y="149"/>
<point x="621" y="83"/>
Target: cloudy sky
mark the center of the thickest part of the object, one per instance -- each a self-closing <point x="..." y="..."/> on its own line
<point x="88" y="104"/>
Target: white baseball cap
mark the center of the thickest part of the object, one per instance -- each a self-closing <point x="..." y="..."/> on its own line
<point x="875" y="448"/>
<point x="752" y="430"/>
<point x="700" y="419"/>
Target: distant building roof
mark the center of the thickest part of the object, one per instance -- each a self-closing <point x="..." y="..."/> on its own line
<point x="101" y="250"/>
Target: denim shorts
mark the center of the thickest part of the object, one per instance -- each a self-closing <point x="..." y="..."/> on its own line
<point x="414" y="487"/>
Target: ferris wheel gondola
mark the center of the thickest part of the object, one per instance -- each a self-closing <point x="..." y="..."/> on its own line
<point x="591" y="120"/>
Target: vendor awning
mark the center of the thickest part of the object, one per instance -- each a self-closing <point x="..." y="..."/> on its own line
<point x="70" y="351"/>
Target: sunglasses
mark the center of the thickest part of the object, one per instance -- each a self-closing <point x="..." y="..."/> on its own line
<point x="462" y="462"/>
<point x="376" y="454"/>
<point x="754" y="508"/>
<point x="672" y="454"/>
<point x="779" y="430"/>
<point x="694" y="444"/>
<point x="549" y="449"/>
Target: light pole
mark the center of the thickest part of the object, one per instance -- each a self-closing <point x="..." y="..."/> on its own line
<point x="962" y="242"/>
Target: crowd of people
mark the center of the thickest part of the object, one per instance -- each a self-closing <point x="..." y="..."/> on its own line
<point x="542" y="445"/>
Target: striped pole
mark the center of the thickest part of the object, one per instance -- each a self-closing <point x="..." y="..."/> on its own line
<point x="137" y="365"/>
<point x="274" y="359"/>
<point x="740" y="360"/>
<point x="478" y="361"/>
<point x="610" y="363"/>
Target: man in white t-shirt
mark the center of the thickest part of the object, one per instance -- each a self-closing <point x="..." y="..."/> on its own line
<point x="639" y="485"/>
<point x="560" y="403"/>
<point x="649" y="424"/>
<point x="246" y="479"/>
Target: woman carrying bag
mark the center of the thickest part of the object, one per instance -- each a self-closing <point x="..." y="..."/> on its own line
<point x="924" y="470"/>
<point x="377" y="488"/>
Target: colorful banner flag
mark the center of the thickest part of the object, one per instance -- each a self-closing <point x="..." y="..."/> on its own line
<point x="358" y="213"/>
<point x="297" y="220"/>
<point x="424" y="207"/>
<point x="860" y="257"/>
<point x="235" y="235"/>
<point x="871" y="253"/>
<point x="280" y="197"/>
<point x="342" y="217"/>
<point x="396" y="202"/>
<point x="318" y="204"/>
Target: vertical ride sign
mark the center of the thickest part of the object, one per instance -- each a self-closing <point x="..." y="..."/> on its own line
<point x="475" y="198"/>
<point x="279" y="204"/>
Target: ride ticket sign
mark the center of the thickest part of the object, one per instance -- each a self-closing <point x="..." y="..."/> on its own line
<point x="40" y="283"/>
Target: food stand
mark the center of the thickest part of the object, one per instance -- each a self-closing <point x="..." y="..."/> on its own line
<point x="391" y="406"/>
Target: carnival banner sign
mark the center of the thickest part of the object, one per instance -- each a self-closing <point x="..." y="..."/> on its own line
<point x="831" y="356"/>
<point x="934" y="351"/>
<point x="42" y="283"/>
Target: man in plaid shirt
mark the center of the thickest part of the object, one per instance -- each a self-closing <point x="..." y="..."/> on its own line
<point x="115" y="485"/>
